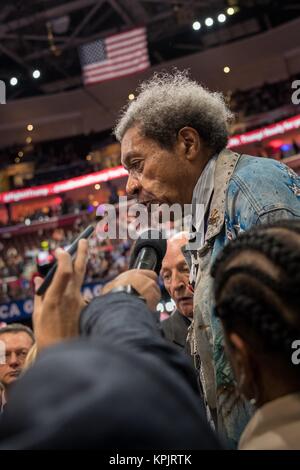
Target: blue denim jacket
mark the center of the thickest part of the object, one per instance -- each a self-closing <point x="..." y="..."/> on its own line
<point x="247" y="191"/>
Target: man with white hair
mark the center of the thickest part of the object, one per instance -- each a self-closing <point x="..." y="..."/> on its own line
<point x="173" y="144"/>
<point x="175" y="275"/>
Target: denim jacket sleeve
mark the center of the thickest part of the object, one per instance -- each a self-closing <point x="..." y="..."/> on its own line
<point x="260" y="191"/>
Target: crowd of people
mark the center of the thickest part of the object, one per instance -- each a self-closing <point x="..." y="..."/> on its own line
<point x="59" y="159"/>
<point x="262" y="98"/>
<point x="19" y="268"/>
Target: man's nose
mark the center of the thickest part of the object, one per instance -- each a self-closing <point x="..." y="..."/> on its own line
<point x="178" y="282"/>
<point x="133" y="185"/>
<point x="13" y="360"/>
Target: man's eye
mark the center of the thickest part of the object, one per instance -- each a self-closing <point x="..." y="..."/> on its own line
<point x="186" y="270"/>
<point x="136" y="166"/>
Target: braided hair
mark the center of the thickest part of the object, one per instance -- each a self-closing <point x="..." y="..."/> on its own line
<point x="257" y="286"/>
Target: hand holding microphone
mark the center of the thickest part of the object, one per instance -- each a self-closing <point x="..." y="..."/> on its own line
<point x="145" y="264"/>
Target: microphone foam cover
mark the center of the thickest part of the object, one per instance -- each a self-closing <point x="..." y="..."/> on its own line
<point x="150" y="238"/>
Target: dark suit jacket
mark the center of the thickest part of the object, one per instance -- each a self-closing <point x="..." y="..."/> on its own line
<point x="119" y="386"/>
<point x="175" y="329"/>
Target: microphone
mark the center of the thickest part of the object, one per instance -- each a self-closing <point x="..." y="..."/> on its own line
<point x="148" y="251"/>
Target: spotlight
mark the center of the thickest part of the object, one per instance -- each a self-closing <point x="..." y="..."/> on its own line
<point x="131" y="97"/>
<point x="196" y="25"/>
<point x="209" y="22"/>
<point x="28" y="140"/>
<point x="222" y="18"/>
<point x="36" y="73"/>
<point x="30" y="127"/>
<point x="97" y="186"/>
<point x="226" y="69"/>
<point x="230" y="11"/>
<point x="20" y="154"/>
<point x="17" y="160"/>
<point x="13" y="81"/>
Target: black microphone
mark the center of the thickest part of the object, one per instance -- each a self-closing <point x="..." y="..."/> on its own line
<point x="148" y="251"/>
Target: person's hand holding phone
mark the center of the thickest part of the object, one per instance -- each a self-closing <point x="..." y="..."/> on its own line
<point x="56" y="313"/>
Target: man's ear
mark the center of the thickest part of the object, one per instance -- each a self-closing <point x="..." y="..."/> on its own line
<point x="190" y="142"/>
<point x="243" y="362"/>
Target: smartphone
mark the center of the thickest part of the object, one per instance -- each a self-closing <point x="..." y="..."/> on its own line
<point x="72" y="249"/>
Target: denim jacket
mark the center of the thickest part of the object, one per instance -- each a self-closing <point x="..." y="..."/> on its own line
<point x="247" y="191"/>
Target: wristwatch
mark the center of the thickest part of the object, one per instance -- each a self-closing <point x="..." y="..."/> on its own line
<point x="128" y="289"/>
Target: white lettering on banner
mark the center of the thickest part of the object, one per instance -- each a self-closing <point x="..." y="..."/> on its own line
<point x="12" y="311"/>
<point x="268" y="131"/>
<point x="89" y="292"/>
<point x="97" y="290"/>
<point x="62" y="186"/>
<point x="27" y="194"/>
<point x="9" y="311"/>
<point x="28" y="306"/>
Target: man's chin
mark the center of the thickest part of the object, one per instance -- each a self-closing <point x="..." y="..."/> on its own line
<point x="12" y="378"/>
<point x="186" y="311"/>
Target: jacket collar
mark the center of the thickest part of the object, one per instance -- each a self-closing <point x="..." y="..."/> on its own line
<point x="225" y="166"/>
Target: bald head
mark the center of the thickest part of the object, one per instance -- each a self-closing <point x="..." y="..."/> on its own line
<point x="175" y="274"/>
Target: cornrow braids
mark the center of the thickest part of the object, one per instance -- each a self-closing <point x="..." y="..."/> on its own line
<point x="250" y="296"/>
<point x="256" y="313"/>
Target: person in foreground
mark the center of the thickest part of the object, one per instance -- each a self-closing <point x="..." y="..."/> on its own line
<point x="257" y="296"/>
<point x="119" y="385"/>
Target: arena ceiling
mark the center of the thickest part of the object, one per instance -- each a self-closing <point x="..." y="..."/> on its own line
<point x="46" y="34"/>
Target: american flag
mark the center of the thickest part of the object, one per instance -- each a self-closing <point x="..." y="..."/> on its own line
<point x="115" y="56"/>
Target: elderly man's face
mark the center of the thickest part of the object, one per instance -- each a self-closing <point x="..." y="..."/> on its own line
<point x="17" y="346"/>
<point x="175" y="274"/>
<point x="156" y="175"/>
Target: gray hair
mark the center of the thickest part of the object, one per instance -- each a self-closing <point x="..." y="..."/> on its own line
<point x="170" y="101"/>
<point x="17" y="328"/>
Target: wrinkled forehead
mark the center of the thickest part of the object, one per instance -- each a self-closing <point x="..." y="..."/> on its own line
<point x="14" y="341"/>
<point x="135" y="144"/>
<point x="174" y="255"/>
<point x="131" y="140"/>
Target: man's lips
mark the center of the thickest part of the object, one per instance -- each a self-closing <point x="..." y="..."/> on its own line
<point x="153" y="203"/>
<point x="185" y="299"/>
<point x="15" y="373"/>
<point x="148" y="202"/>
